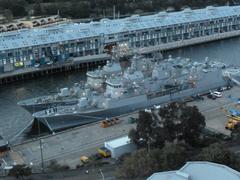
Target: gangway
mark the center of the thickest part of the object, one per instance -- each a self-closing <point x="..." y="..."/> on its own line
<point x="229" y="73"/>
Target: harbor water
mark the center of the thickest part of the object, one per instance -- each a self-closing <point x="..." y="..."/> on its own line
<point x="13" y="119"/>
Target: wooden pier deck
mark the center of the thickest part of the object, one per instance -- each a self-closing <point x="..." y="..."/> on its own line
<point x="32" y="72"/>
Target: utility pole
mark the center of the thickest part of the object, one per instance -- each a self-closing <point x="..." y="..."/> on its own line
<point x="114" y="9"/>
<point x="40" y="145"/>
<point x="102" y="174"/>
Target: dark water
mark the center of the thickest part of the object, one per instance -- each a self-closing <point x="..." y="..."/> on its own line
<point x="227" y="51"/>
<point x="13" y="119"/>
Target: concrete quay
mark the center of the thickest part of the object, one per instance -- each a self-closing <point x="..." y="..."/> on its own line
<point x="32" y="72"/>
<point x="67" y="147"/>
<point x="99" y="59"/>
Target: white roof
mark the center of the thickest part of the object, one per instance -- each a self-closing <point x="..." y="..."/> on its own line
<point x="74" y="31"/>
<point x="199" y="170"/>
<point x="118" y="142"/>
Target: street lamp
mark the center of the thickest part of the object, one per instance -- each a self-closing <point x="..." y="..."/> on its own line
<point x="102" y="174"/>
<point x="40" y="144"/>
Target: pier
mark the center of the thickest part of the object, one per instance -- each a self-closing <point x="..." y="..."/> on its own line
<point x="23" y="50"/>
<point x="33" y="72"/>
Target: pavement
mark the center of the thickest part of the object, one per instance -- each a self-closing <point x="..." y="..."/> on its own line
<point x="95" y="173"/>
<point x="67" y="147"/>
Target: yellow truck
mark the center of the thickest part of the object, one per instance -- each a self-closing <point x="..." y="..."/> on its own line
<point x="232" y="122"/>
<point x="104" y="152"/>
<point x="233" y="118"/>
<point x="84" y="159"/>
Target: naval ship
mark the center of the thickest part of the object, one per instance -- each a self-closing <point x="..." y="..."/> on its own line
<point x="95" y="81"/>
<point x="96" y="78"/>
<point x="170" y="80"/>
<point x="70" y="96"/>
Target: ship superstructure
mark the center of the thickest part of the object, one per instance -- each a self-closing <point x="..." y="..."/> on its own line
<point x="95" y="82"/>
<point x="170" y="80"/>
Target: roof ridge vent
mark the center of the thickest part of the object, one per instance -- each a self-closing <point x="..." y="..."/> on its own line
<point x="133" y="18"/>
<point x="95" y="23"/>
<point x="105" y="20"/>
<point x="184" y="175"/>
<point x="211" y="8"/>
<point x="162" y="14"/>
<point x="187" y="11"/>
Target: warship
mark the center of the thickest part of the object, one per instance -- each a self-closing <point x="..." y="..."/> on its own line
<point x="96" y="78"/>
<point x="70" y="96"/>
<point x="95" y="82"/>
<point x="170" y="80"/>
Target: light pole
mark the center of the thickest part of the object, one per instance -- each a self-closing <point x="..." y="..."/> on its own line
<point x="102" y="174"/>
<point x="40" y="144"/>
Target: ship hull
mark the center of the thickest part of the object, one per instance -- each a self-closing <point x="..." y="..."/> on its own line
<point x="56" y="123"/>
<point x="39" y="107"/>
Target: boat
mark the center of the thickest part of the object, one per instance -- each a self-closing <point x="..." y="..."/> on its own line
<point x="70" y="96"/>
<point x="170" y="80"/>
<point x="66" y="96"/>
<point x="95" y="81"/>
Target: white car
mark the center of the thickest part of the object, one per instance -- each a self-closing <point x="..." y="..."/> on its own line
<point x="217" y="94"/>
<point x="37" y="65"/>
<point x="49" y="63"/>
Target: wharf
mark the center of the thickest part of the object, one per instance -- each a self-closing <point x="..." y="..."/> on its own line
<point x="100" y="59"/>
<point x="32" y="72"/>
<point x="66" y="147"/>
<point x="188" y="42"/>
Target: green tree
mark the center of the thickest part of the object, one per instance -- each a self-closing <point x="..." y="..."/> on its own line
<point x="182" y="122"/>
<point x="175" y="122"/>
<point x="193" y="122"/>
<point x="216" y="153"/>
<point x="142" y="163"/>
<point x="173" y="156"/>
<point x="235" y="133"/>
<point x="8" y="15"/>
<point x="19" y="171"/>
<point x="37" y="9"/>
<point x="143" y="133"/>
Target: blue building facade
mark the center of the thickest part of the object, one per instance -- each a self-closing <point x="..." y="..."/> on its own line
<point x="57" y="43"/>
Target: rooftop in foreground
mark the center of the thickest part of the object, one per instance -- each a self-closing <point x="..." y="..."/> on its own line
<point x="199" y="170"/>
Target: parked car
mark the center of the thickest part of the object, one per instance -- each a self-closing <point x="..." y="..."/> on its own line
<point x="49" y="63"/>
<point x="217" y="94"/>
<point x="221" y="89"/>
<point x="197" y="97"/>
<point x="211" y="96"/>
<point x="37" y="65"/>
<point x="229" y="87"/>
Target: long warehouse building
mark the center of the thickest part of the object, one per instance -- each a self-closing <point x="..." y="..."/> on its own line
<point x="28" y="47"/>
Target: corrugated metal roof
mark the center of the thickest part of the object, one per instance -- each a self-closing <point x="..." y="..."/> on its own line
<point x="71" y="31"/>
<point x="199" y="170"/>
